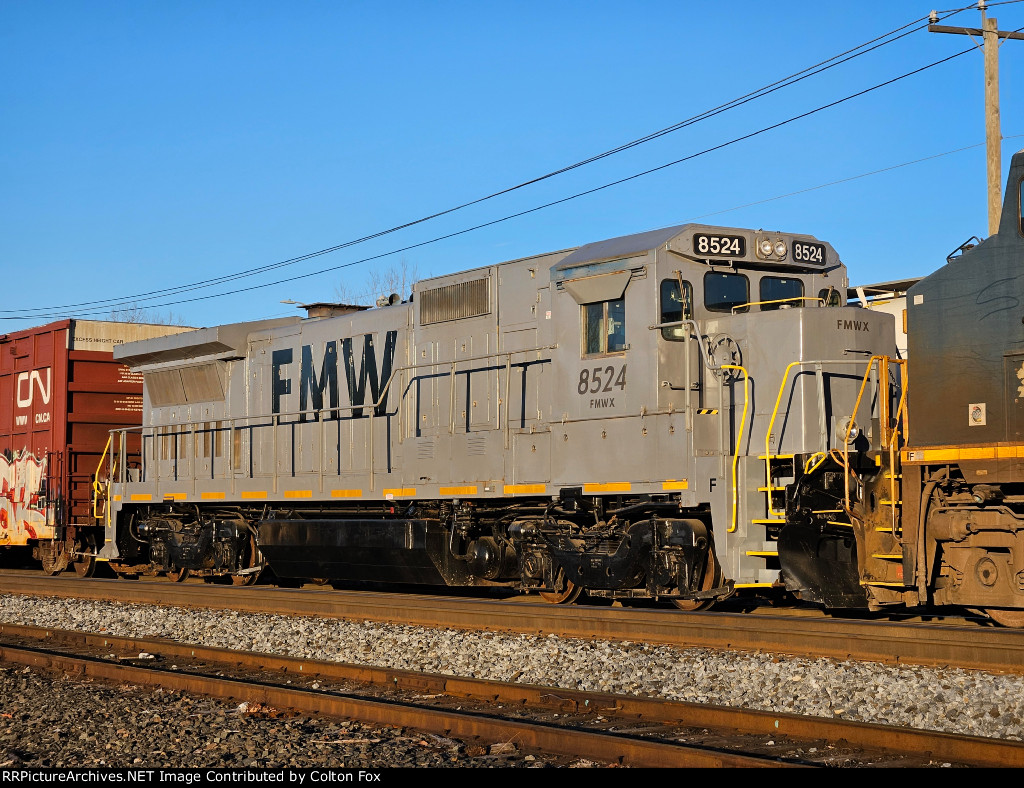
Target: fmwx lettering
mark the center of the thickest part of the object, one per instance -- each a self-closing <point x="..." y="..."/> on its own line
<point x="853" y="325"/>
<point x="361" y="379"/>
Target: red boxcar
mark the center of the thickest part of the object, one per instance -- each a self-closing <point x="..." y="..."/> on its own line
<point x="60" y="393"/>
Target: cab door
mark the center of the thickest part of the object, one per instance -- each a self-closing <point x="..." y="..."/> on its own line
<point x="679" y="352"/>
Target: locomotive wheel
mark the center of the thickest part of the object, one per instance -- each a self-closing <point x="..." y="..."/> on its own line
<point x="1013" y="619"/>
<point x="178" y="575"/>
<point x="712" y="575"/>
<point x="566" y="592"/>
<point x="52" y="562"/>
<point x="49" y="565"/>
<point x="85" y="565"/>
<point x="250" y="559"/>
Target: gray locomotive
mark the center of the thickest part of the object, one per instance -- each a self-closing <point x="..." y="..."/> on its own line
<point x="622" y="418"/>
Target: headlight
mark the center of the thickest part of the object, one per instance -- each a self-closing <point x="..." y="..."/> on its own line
<point x="765" y="246"/>
<point x="780" y="249"/>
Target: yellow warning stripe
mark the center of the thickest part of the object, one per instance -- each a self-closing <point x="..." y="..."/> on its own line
<point x="253" y="494"/>
<point x="212" y="496"/>
<point x="469" y="489"/>
<point x="675" y="484"/>
<point x="525" y="489"/>
<point x="174" y="496"/>
<point x="298" y="493"/>
<point x="595" y="487"/>
<point x="346" y="493"/>
<point x="956" y="453"/>
<point x="400" y="492"/>
<point x="140" y="497"/>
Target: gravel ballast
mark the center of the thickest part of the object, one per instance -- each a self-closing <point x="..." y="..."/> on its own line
<point x="60" y="723"/>
<point x="950" y="700"/>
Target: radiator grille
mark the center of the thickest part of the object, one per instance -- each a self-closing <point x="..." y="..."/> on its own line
<point x="454" y="302"/>
<point x="203" y="383"/>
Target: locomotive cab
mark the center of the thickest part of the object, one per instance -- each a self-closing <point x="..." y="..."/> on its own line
<point x="663" y="428"/>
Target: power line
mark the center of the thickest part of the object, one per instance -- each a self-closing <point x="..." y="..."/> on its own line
<point x="545" y="205"/>
<point x="792" y="79"/>
<point x="852" y="177"/>
<point x="522" y="213"/>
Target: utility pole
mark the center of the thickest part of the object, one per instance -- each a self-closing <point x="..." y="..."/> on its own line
<point x="989" y="35"/>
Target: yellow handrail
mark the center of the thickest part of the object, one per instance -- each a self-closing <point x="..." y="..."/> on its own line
<point x="97" y="486"/>
<point x="887" y="439"/>
<point x="768" y="436"/>
<point x="739" y="439"/>
<point x="814" y="461"/>
<point x="777" y="301"/>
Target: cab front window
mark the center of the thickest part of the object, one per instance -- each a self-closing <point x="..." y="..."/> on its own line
<point x="726" y="292"/>
<point x="777" y="291"/>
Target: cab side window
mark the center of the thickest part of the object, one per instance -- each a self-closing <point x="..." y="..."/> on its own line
<point x="604" y="327"/>
<point x="777" y="291"/>
<point x="828" y="296"/>
<point x="723" y="292"/>
<point x="675" y="307"/>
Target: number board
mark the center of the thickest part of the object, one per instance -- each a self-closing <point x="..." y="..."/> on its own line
<point x="720" y="245"/>
<point x="808" y="252"/>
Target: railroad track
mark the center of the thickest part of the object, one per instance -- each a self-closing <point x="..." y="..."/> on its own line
<point x="971" y="647"/>
<point x="612" y="729"/>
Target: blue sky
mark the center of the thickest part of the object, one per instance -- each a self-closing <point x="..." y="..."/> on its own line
<point x="149" y="145"/>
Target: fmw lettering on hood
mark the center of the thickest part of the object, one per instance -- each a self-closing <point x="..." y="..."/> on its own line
<point x="853" y="325"/>
<point x="362" y="377"/>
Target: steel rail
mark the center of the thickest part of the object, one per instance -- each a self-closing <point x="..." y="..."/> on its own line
<point x="972" y="750"/>
<point x="972" y="647"/>
<point x="601" y="747"/>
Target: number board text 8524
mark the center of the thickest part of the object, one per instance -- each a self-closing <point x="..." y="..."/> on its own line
<point x="808" y="252"/>
<point x="720" y="245"/>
